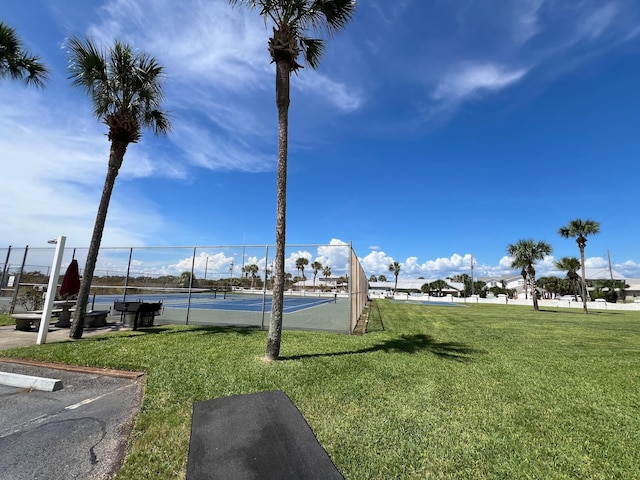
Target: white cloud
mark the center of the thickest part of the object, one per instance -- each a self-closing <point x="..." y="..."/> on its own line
<point x="205" y="149"/>
<point x="527" y="22"/>
<point x="471" y="78"/>
<point x="594" y="23"/>
<point x="338" y="94"/>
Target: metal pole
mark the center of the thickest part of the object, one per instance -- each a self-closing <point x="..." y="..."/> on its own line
<point x="193" y="263"/>
<point x="51" y="290"/>
<point x="18" y="280"/>
<point x="126" y="280"/>
<point x="351" y="278"/>
<point x="206" y="266"/>
<point x="264" y="288"/>
<point x="242" y="269"/>
<point x="5" y="269"/>
<point x="471" y="274"/>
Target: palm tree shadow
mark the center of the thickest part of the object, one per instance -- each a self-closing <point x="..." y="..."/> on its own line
<point x="411" y="344"/>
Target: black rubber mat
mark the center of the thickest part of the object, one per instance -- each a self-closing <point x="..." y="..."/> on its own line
<point x="257" y="436"/>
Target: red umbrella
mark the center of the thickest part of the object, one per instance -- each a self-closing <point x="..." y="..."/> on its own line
<point x="71" y="281"/>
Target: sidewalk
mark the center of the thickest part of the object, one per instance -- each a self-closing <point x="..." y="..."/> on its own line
<point x="11" y="338"/>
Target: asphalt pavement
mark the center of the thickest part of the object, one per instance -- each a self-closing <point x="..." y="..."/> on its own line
<point x="77" y="432"/>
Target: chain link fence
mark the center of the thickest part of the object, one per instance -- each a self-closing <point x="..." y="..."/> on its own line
<point x="326" y="288"/>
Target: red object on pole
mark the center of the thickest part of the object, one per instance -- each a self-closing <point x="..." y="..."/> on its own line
<point x="71" y="281"/>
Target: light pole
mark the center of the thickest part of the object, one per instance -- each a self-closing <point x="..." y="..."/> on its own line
<point x="231" y="275"/>
<point x="471" y="274"/>
<point x="206" y="265"/>
<point x="51" y="289"/>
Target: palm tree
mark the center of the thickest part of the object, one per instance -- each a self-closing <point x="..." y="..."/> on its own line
<point x="317" y="266"/>
<point x="326" y="273"/>
<point x="579" y="229"/>
<point x="300" y="263"/>
<point x="571" y="266"/>
<point x="291" y="19"/>
<point x="523" y="272"/>
<point x="253" y="269"/>
<point x="438" y="286"/>
<point x="550" y="284"/>
<point x="16" y="63"/>
<point x="126" y="94"/>
<point x="382" y="278"/>
<point x="395" y="268"/>
<point x="525" y="253"/>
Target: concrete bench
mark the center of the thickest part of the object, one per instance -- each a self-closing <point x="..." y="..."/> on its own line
<point x="96" y="318"/>
<point x="24" y="321"/>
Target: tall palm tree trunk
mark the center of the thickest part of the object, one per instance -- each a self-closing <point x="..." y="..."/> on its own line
<point x="116" y="155"/>
<point x="283" y="75"/>
<point x="534" y="292"/>
<point x="583" y="281"/>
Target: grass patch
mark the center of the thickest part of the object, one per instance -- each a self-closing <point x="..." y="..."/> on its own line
<point x="431" y="392"/>
<point x="5" y="319"/>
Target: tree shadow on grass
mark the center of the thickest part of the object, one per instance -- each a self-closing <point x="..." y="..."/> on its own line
<point x="411" y="344"/>
<point x="168" y="330"/>
<point x="580" y="312"/>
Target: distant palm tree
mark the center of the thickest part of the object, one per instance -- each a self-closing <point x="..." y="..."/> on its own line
<point x="550" y="284"/>
<point x="373" y="278"/>
<point x="126" y="94"/>
<point x="571" y="266"/>
<point x="326" y="273"/>
<point x="395" y="267"/>
<point x="525" y="253"/>
<point x="580" y="229"/>
<point x="382" y="278"/>
<point x="438" y="286"/>
<point x="317" y="266"/>
<point x="253" y="270"/>
<point x="16" y="63"/>
<point x="300" y="264"/>
<point x="291" y="19"/>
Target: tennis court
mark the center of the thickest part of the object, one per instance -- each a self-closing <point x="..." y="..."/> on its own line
<point x="301" y="311"/>
<point x="234" y="301"/>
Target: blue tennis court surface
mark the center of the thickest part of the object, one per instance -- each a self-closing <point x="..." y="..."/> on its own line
<point x="221" y="301"/>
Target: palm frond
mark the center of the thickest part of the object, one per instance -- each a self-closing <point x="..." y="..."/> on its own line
<point x="313" y="49"/>
<point x="299" y="16"/>
<point x="18" y="64"/>
<point x="125" y="87"/>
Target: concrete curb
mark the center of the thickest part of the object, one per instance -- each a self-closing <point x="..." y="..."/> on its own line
<point x="109" y="372"/>
<point x="27" y="381"/>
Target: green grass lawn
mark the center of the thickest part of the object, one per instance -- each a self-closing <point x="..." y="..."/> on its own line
<point x="5" y="319"/>
<point x="430" y="392"/>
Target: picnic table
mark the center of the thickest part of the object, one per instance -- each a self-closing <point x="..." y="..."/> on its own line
<point x="142" y="313"/>
<point x="64" y="319"/>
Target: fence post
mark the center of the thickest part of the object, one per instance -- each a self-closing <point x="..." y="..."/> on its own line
<point x="126" y="279"/>
<point x="5" y="269"/>
<point x="264" y="288"/>
<point x="19" y="279"/>
<point x="193" y="263"/>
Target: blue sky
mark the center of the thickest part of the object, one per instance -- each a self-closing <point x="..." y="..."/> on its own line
<point x="432" y="131"/>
